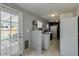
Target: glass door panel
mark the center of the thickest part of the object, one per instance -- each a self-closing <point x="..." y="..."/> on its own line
<point x="5" y="43"/>
<point x="5" y="33"/>
<point x="14" y="35"/>
<point x="14" y="18"/>
<point x="5" y="16"/>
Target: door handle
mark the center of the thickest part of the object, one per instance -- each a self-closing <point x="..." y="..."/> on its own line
<point x="20" y="35"/>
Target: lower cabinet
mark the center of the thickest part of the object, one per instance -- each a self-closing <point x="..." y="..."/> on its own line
<point x="46" y="41"/>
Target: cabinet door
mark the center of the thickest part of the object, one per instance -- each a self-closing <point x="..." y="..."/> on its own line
<point x="68" y="36"/>
<point x="37" y="41"/>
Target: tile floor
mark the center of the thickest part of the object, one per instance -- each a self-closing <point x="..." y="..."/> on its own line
<point x="52" y="51"/>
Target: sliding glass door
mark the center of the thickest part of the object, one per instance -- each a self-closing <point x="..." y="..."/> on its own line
<point x="5" y="33"/>
<point x="10" y="35"/>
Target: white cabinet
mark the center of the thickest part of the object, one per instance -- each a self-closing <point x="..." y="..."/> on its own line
<point x="37" y="40"/>
<point x="46" y="41"/>
<point x="69" y="36"/>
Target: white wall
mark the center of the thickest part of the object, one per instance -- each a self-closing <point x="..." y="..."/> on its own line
<point x="77" y="11"/>
<point x="74" y="12"/>
<point x="27" y="21"/>
<point x="68" y="14"/>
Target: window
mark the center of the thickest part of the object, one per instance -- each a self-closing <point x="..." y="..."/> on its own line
<point x="40" y="24"/>
<point x="47" y="26"/>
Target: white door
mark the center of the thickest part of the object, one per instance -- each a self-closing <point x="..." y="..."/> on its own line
<point x="69" y="36"/>
<point x="11" y="42"/>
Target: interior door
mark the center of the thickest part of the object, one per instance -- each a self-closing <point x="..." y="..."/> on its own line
<point x="11" y="40"/>
<point x="68" y="36"/>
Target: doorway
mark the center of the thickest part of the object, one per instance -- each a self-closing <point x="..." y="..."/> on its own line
<point x="55" y="42"/>
<point x="58" y="29"/>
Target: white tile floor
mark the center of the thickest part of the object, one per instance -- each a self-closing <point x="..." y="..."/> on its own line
<point x="52" y="51"/>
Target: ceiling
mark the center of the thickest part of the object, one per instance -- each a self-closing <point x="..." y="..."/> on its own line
<point x="44" y="10"/>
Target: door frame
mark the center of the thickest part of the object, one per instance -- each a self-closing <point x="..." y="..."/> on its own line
<point x="20" y="14"/>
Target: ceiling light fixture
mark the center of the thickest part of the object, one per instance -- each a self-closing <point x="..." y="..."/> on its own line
<point x="53" y="15"/>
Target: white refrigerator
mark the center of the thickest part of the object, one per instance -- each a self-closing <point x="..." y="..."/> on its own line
<point x="69" y="36"/>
